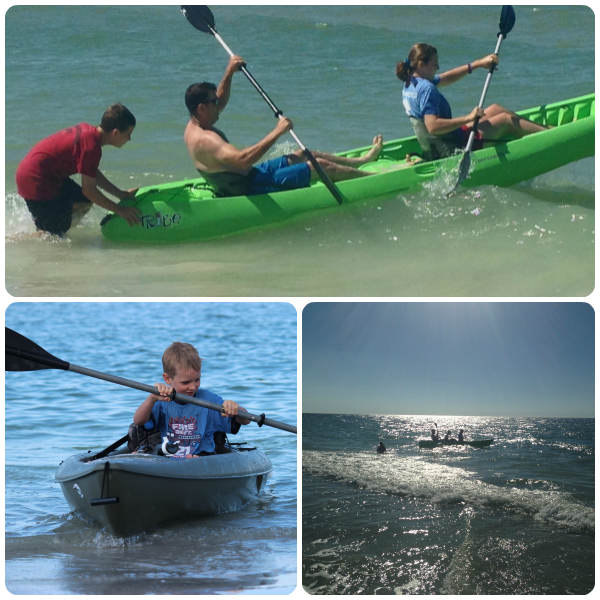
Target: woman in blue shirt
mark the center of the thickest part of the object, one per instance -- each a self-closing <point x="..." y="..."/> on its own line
<point x="430" y="112"/>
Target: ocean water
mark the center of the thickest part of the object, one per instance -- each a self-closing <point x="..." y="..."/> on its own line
<point x="249" y="352"/>
<point x="66" y="64"/>
<point x="515" y="518"/>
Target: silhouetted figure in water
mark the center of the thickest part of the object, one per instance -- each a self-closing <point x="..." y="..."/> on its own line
<point x="435" y="436"/>
<point x="381" y="448"/>
<point x="448" y="439"/>
<point x="461" y="436"/>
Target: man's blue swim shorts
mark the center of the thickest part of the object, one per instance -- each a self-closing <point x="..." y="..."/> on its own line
<point x="278" y="175"/>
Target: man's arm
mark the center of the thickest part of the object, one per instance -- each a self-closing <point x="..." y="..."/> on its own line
<point x="224" y="89"/>
<point x="230" y="158"/>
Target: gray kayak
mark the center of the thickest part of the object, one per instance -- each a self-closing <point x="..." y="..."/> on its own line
<point x="473" y="443"/>
<point x="130" y="493"/>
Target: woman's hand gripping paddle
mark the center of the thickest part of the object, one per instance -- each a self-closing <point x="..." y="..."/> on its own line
<point x="507" y="22"/>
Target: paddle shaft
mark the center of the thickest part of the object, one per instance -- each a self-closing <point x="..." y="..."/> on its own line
<point x="486" y="88"/>
<point x="309" y="155"/>
<point x="56" y="363"/>
<point x="507" y="22"/>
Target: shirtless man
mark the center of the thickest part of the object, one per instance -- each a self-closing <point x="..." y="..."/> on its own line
<point x="231" y="172"/>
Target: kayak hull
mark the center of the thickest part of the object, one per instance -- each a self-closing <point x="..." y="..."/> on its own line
<point x="473" y="443"/>
<point x="155" y="490"/>
<point x="188" y="211"/>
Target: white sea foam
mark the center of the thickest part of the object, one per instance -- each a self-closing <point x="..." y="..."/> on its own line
<point x="441" y="484"/>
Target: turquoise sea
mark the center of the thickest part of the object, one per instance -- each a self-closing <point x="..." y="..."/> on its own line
<point x="332" y="70"/>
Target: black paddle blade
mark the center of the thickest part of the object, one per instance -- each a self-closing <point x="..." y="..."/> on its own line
<point x="21" y="354"/>
<point x="200" y="17"/>
<point x="507" y="20"/>
<point x="463" y="172"/>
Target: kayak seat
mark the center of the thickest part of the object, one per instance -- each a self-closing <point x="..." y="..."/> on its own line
<point x="433" y="147"/>
<point x="383" y="164"/>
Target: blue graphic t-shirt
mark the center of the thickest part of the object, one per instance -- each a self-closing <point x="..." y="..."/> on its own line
<point x="192" y="425"/>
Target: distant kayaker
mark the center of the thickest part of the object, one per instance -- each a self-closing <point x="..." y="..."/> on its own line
<point x="232" y="172"/>
<point x="435" y="436"/>
<point x="54" y="200"/>
<point x="381" y="448"/>
<point x="192" y="426"/>
<point x="439" y="133"/>
<point x="461" y="436"/>
<point x="448" y="439"/>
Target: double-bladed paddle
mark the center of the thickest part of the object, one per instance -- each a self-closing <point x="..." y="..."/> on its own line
<point x="24" y="355"/>
<point x="202" y="19"/>
<point x="507" y="22"/>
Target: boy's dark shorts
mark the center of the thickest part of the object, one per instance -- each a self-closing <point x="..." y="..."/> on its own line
<point x="54" y="216"/>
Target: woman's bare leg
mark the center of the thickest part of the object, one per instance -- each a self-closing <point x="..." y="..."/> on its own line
<point x="371" y="156"/>
<point x="500" y="122"/>
<point x="337" y="172"/>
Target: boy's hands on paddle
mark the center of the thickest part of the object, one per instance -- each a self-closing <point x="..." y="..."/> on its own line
<point x="165" y="392"/>
<point x="230" y="408"/>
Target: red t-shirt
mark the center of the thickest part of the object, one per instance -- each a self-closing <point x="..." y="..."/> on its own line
<point x="74" y="150"/>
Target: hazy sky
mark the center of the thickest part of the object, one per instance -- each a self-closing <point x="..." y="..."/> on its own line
<point x="478" y="359"/>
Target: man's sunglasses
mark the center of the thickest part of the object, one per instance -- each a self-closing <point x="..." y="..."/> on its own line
<point x="214" y="101"/>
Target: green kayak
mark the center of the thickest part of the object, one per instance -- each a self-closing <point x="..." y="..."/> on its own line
<point x="473" y="443"/>
<point x="188" y="211"/>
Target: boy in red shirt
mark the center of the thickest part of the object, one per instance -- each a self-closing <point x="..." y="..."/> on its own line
<point x="44" y="181"/>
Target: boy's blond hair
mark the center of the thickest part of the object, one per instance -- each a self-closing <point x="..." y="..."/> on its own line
<point x="180" y="356"/>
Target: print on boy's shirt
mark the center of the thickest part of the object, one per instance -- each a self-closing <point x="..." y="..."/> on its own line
<point x="184" y="430"/>
<point x="193" y="426"/>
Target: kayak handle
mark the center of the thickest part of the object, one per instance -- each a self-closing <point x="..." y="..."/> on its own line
<point x="102" y="500"/>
